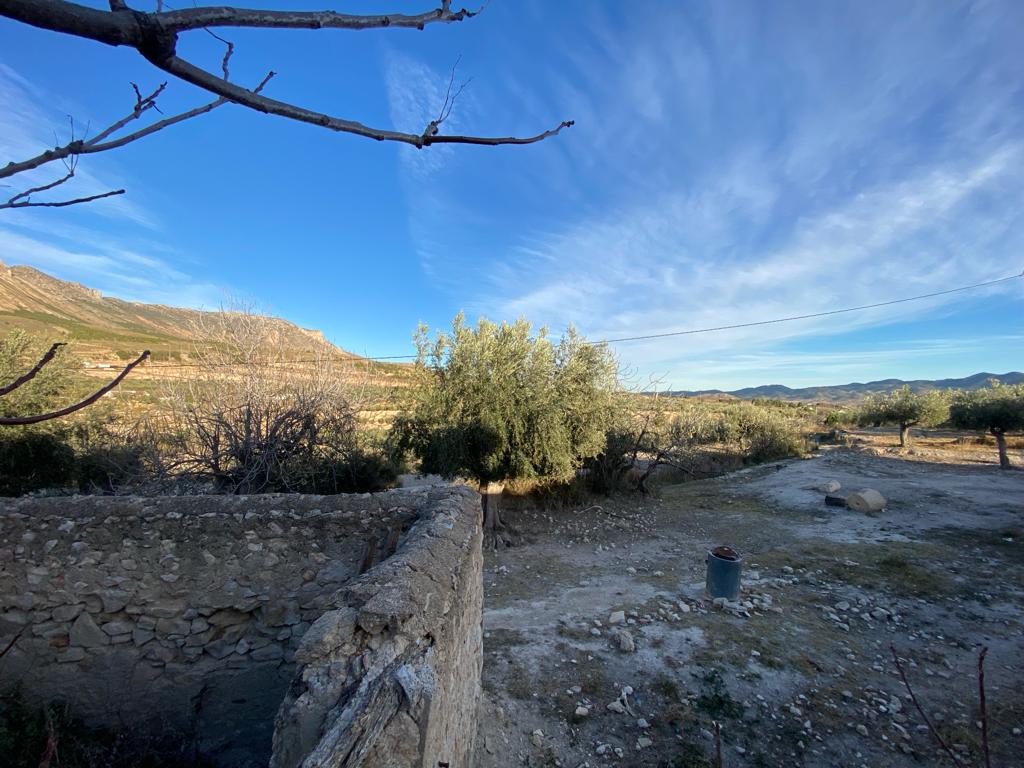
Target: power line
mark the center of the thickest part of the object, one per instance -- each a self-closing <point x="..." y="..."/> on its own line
<point x="689" y="332"/>
<point x="808" y="316"/>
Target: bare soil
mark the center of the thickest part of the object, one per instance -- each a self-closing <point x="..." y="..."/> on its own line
<point x="799" y="672"/>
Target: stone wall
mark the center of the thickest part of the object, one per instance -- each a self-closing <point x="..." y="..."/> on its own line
<point x="391" y="676"/>
<point x="189" y="614"/>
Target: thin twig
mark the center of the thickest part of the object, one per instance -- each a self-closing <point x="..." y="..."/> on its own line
<point x="51" y="742"/>
<point x="984" y="707"/>
<point x="14" y="640"/>
<point x="718" y="743"/>
<point x="64" y="203"/>
<point x="935" y="734"/>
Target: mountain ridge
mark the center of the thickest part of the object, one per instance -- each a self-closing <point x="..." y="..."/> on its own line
<point x="108" y="328"/>
<point x="853" y="390"/>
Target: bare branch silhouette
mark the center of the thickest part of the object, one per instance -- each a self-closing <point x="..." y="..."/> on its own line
<point x="36" y="419"/>
<point x="33" y="371"/>
<point x="71" y="152"/>
<point x="155" y="36"/>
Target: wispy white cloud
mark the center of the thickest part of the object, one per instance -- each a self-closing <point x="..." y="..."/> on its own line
<point x="746" y="166"/>
<point x="416" y="95"/>
<point x="110" y="267"/>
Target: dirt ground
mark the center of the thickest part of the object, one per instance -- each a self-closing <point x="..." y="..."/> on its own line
<point x="799" y="671"/>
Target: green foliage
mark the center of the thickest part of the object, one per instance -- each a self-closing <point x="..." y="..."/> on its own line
<point x="494" y="403"/>
<point x="840" y="417"/>
<point x="997" y="409"/>
<point x="766" y="436"/>
<point x="18" y="353"/>
<point x="905" y="408"/>
<point x="697" y="437"/>
<point x="32" y="461"/>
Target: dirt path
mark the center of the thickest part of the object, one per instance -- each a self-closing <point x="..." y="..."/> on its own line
<point x="800" y="673"/>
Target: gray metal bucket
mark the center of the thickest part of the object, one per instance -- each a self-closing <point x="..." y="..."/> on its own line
<point x="724" y="566"/>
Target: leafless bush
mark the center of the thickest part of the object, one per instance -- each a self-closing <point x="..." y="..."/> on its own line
<point x="254" y="414"/>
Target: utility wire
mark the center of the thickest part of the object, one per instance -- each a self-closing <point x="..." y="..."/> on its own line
<point x="808" y="316"/>
<point x="689" y="332"/>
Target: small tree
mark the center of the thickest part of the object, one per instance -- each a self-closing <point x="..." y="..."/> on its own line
<point x="998" y="409"/>
<point x="906" y="409"/>
<point x="493" y="404"/>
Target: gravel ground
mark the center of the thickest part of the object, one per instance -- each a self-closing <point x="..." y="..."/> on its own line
<point x="798" y="671"/>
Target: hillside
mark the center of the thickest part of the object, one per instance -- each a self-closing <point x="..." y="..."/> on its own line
<point x="109" y="330"/>
<point x="855" y="390"/>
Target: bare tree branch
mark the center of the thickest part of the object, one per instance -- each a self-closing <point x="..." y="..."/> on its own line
<point x="155" y="37"/>
<point x="34" y="371"/>
<point x="63" y="203"/>
<point x="210" y="82"/>
<point x="78" y="147"/>
<point x="43" y="188"/>
<point x="70" y="152"/>
<point x="983" y="706"/>
<point x="225" y="16"/>
<point x="920" y="710"/>
<point x="23" y="420"/>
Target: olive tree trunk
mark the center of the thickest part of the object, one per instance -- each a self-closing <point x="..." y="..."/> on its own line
<point x="494" y="528"/>
<point x="1004" y="459"/>
<point x="904" y="435"/>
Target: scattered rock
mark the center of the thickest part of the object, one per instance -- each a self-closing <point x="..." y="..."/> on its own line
<point x="623" y="640"/>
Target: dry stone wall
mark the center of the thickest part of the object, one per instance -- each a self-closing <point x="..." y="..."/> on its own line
<point x="391" y="676"/>
<point x="189" y="614"/>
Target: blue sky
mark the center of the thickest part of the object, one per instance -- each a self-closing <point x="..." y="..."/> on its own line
<point x="731" y="161"/>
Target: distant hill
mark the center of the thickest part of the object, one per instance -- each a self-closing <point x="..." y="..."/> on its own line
<point x="109" y="330"/>
<point x="854" y="391"/>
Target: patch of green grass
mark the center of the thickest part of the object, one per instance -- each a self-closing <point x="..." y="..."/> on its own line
<point x="715" y="701"/>
<point x="901" y="568"/>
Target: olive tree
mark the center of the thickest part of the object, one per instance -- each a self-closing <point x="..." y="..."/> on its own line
<point x="494" y="403"/>
<point x="906" y="409"/>
<point x="998" y="409"/>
